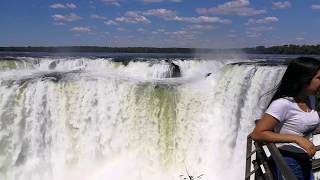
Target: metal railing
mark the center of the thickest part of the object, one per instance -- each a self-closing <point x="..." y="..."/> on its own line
<point x="262" y="168"/>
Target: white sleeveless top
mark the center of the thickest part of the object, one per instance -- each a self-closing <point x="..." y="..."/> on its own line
<point x="293" y="120"/>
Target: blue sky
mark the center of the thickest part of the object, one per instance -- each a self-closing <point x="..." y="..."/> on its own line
<point x="159" y="23"/>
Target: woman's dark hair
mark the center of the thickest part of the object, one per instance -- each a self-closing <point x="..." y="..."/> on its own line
<point x="298" y="75"/>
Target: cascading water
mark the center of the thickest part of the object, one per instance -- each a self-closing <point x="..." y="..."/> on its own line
<point x="95" y="119"/>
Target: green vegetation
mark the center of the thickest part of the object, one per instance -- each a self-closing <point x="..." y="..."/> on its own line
<point x="285" y="49"/>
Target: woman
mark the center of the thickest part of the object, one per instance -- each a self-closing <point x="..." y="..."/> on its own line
<point x="289" y="120"/>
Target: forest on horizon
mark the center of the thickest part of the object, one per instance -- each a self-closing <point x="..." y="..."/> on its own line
<point x="285" y="49"/>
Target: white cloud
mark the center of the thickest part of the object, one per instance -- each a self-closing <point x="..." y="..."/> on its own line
<point x="63" y="6"/>
<point x="71" y="5"/>
<point x="260" y="29"/>
<point x="231" y="36"/>
<point x="236" y="7"/>
<point x="315" y="7"/>
<point x="300" y="38"/>
<point x="178" y="36"/>
<point x="140" y="30"/>
<point x="161" y="30"/>
<point x="81" y="29"/>
<point x="136" y="17"/>
<point x="121" y="29"/>
<point x="254" y="32"/>
<point x="201" y="20"/>
<point x="159" y="1"/>
<point x="66" y="18"/>
<point x="235" y="4"/>
<point x="95" y="16"/>
<point x="267" y="20"/>
<point x="161" y="13"/>
<point x="59" y="23"/>
<point x="130" y="17"/>
<point x="281" y="5"/>
<point x="250" y="21"/>
<point x="112" y="2"/>
<point x="202" y="27"/>
<point x="254" y="35"/>
<point x="111" y="22"/>
<point x="170" y="15"/>
<point x="181" y="32"/>
<point x="152" y="1"/>
<point x="57" y="6"/>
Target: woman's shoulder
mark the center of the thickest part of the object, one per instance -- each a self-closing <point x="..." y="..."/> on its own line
<point x="283" y="100"/>
<point x="279" y="108"/>
<point x="284" y="103"/>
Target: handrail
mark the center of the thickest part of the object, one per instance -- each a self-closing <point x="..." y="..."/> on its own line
<point x="281" y="164"/>
<point x="277" y="157"/>
<point x="262" y="160"/>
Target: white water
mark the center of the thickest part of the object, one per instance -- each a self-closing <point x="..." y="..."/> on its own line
<point x="104" y="120"/>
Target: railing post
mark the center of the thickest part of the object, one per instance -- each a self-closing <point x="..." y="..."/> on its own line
<point x="259" y="163"/>
<point x="262" y="157"/>
<point x="248" y="156"/>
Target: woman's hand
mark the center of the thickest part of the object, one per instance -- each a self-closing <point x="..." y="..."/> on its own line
<point x="306" y="145"/>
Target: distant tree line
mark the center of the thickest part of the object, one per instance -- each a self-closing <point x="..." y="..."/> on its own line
<point x="285" y="49"/>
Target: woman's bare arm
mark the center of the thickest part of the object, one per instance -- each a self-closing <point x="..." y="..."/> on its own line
<point x="263" y="132"/>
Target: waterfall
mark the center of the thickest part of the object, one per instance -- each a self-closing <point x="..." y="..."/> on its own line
<point x="94" y="119"/>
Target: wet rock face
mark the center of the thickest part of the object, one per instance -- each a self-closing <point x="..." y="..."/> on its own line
<point x="54" y="76"/>
<point x="174" y="70"/>
<point x="53" y="65"/>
